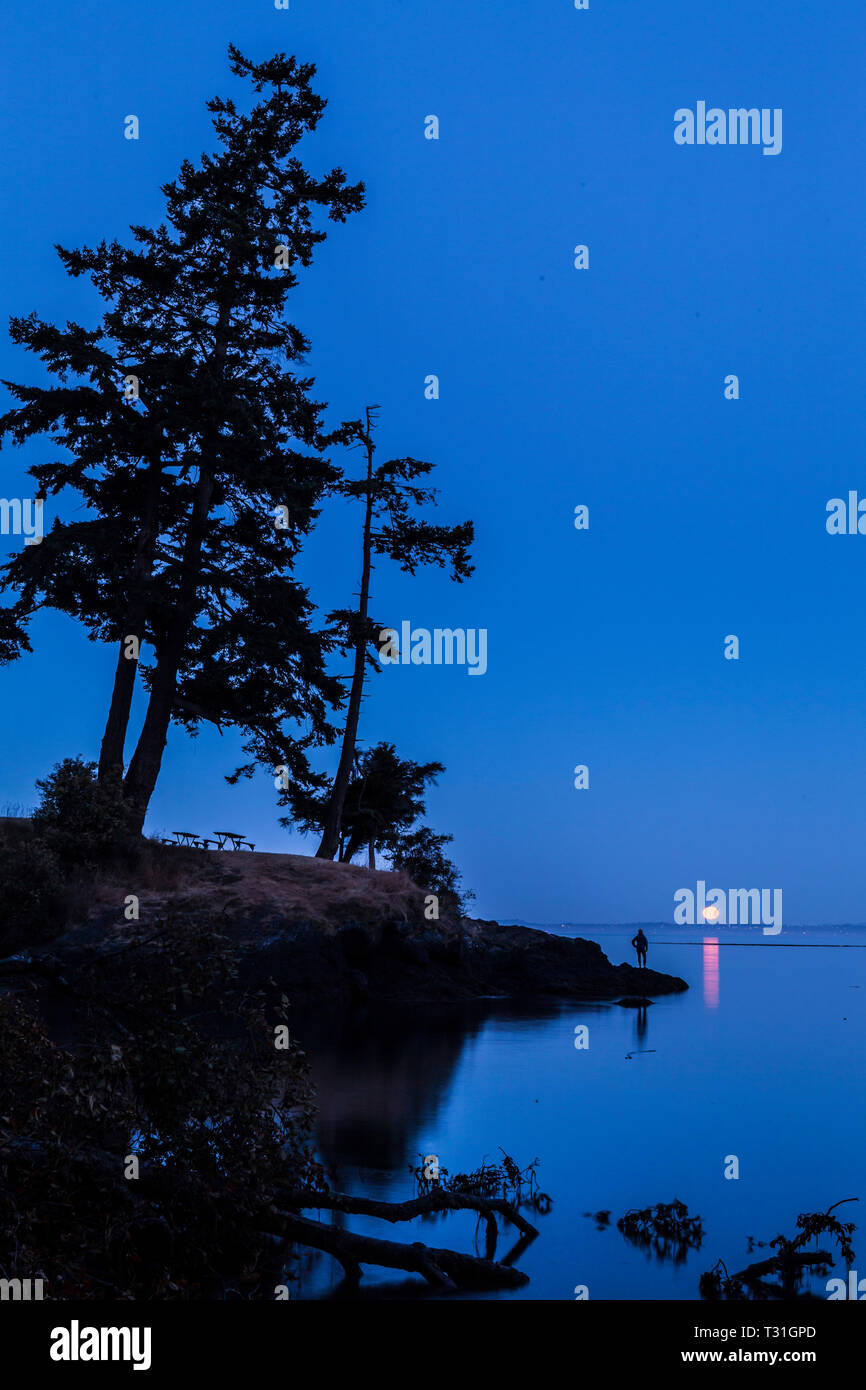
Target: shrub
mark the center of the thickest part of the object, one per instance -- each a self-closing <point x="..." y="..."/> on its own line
<point x="191" y="1083"/>
<point x="31" y="892"/>
<point x="85" y="822"/>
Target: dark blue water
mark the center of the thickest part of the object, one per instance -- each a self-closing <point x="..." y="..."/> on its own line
<point x="762" y="1059"/>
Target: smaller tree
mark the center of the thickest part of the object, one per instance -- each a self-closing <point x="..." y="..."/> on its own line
<point x="421" y="855"/>
<point x="384" y="797"/>
<point x="384" y="800"/>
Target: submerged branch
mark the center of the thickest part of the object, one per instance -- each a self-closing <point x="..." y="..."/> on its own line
<point x="444" y="1269"/>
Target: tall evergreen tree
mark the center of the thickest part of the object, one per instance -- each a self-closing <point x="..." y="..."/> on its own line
<point x="390" y="527"/>
<point x="188" y="428"/>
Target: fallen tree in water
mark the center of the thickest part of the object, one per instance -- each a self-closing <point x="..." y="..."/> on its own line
<point x="446" y="1269"/>
<point x="437" y="1194"/>
<point x="788" y="1265"/>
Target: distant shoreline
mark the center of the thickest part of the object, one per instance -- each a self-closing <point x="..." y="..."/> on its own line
<point x="671" y="926"/>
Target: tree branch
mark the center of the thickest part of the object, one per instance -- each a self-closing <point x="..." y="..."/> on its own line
<point x="444" y="1269"/>
<point x="406" y="1211"/>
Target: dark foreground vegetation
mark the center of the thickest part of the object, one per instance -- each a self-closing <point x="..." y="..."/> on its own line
<point x="156" y="1117"/>
<point x="155" y="1136"/>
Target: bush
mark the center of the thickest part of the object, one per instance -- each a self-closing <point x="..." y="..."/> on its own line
<point x="191" y="1083"/>
<point x="84" y="821"/>
<point x="31" y="892"/>
<point x="421" y="856"/>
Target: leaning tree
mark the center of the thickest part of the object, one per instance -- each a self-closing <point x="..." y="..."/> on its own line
<point x="392" y="526"/>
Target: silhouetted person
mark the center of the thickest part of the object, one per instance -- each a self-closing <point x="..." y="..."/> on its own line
<point x="640" y="944"/>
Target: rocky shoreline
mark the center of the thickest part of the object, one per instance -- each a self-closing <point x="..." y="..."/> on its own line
<point x="328" y="933"/>
<point x="394" y="964"/>
<point x="399" y="963"/>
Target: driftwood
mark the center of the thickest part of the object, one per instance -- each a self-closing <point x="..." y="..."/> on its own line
<point x="752" y="1277"/>
<point x="794" y="1262"/>
<point x="445" y="1269"/>
<point x="788" y="1263"/>
<point x="488" y="1207"/>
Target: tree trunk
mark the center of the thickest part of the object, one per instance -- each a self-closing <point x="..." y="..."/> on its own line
<point x="143" y="771"/>
<point x="146" y="761"/>
<point x="114" y="737"/>
<point x="371" y="856"/>
<point x="445" y="1269"/>
<point x="334" y="814"/>
<point x="438" y="1200"/>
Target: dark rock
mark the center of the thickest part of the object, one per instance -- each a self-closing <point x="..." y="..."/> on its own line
<point x="414" y="952"/>
<point x="444" y="963"/>
<point x="356" y="942"/>
<point x="437" y="962"/>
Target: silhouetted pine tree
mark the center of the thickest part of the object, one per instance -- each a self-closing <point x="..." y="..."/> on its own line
<point x="183" y="551"/>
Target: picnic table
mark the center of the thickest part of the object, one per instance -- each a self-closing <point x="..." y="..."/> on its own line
<point x="193" y="840"/>
<point x="237" y="840"/>
<point x="186" y="837"/>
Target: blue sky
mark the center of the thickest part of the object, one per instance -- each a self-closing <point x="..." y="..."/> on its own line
<point x="558" y="387"/>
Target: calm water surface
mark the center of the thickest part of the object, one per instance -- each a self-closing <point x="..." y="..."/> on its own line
<point x="762" y="1058"/>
